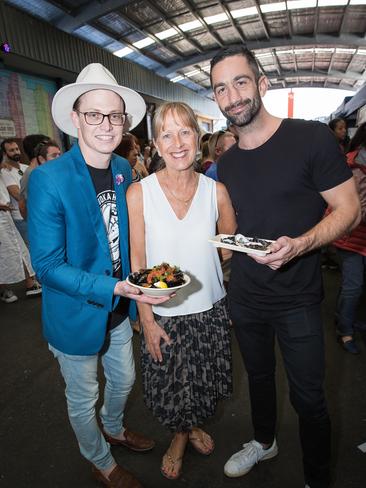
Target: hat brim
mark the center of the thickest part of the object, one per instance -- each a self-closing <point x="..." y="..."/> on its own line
<point x="64" y="99"/>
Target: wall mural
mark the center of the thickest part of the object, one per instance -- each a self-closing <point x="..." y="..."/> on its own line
<point x="25" y="105"/>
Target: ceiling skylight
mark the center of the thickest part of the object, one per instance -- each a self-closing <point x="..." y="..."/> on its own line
<point x="192" y="73"/>
<point x="244" y="12"/>
<point x="121" y="53"/>
<point x="214" y="19"/>
<point x="345" y="50"/>
<point x="332" y="3"/>
<point x="297" y="4"/>
<point x="167" y="33"/>
<point x="319" y="50"/>
<point x="263" y="55"/>
<point x="177" y="78"/>
<point x="187" y="26"/>
<point x="273" y="7"/>
<point x="304" y="50"/>
<point x="144" y="42"/>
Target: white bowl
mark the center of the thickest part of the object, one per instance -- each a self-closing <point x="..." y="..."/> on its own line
<point x="161" y="292"/>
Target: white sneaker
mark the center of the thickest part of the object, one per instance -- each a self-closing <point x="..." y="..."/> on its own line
<point x="243" y="461"/>
<point x="8" y="296"/>
<point x="34" y="290"/>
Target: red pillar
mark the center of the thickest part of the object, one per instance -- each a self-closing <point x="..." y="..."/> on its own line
<point x="290" y="105"/>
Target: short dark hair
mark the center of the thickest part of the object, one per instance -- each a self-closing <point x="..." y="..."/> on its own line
<point x="333" y="123"/>
<point x="30" y="143"/>
<point x="9" y="140"/>
<point x="42" y="148"/>
<point x="238" y="50"/>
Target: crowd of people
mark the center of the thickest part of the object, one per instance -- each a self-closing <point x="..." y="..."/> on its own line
<point x="15" y="263"/>
<point x="101" y="210"/>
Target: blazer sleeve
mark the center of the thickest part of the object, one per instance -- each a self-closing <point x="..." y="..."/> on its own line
<point x="47" y="237"/>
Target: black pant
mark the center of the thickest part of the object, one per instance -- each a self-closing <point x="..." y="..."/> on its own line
<point x="299" y="334"/>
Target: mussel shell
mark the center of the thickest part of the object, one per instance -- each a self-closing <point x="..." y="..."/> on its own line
<point x="139" y="277"/>
<point x="228" y="240"/>
<point x="177" y="280"/>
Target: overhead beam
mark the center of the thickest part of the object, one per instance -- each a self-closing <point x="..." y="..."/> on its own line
<point x="350" y="40"/>
<point x="294" y="59"/>
<point x="350" y="75"/>
<point x="146" y="33"/>
<point x="316" y="20"/>
<point x="94" y="9"/>
<point x="199" y="17"/>
<point x="331" y="62"/>
<point x="297" y="75"/>
<point x="112" y="34"/>
<point x="289" y="22"/>
<point x="261" y="19"/>
<point x="155" y="6"/>
<point x="285" y="76"/>
<point x="232" y="21"/>
<point x="344" y="18"/>
<point x="276" y="62"/>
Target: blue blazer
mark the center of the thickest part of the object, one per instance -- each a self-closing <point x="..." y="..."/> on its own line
<point x="70" y="252"/>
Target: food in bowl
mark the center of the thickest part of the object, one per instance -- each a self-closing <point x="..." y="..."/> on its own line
<point x="162" y="276"/>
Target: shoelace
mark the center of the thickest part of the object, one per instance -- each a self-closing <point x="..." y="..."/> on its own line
<point x="251" y="451"/>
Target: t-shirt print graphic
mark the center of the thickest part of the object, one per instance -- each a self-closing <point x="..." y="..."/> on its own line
<point x="108" y="207"/>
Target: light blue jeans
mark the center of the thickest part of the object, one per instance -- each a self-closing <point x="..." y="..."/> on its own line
<point x="82" y="391"/>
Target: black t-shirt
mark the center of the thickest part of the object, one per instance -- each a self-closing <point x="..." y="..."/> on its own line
<point x="275" y="190"/>
<point x="106" y="197"/>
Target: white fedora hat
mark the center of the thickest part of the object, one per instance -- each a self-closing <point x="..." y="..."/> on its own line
<point x="94" y="77"/>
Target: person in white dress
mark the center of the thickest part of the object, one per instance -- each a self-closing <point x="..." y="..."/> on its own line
<point x="15" y="265"/>
<point x="185" y="350"/>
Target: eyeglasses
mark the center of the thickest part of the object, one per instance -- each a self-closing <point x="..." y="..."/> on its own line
<point x="97" y="118"/>
<point x="20" y="172"/>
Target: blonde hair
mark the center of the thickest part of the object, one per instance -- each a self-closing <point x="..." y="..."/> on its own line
<point x="214" y="141"/>
<point x="179" y="110"/>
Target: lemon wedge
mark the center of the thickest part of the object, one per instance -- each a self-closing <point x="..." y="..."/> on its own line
<point x="160" y="284"/>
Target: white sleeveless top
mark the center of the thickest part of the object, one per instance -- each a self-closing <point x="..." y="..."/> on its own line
<point x="184" y="243"/>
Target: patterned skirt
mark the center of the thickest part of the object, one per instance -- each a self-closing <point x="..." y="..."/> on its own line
<point x="196" y="371"/>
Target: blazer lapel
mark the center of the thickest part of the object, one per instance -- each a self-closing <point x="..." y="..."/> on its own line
<point x="88" y="195"/>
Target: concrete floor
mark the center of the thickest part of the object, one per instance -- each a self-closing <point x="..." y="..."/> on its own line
<point x="38" y="449"/>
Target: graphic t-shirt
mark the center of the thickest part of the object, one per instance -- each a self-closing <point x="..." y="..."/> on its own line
<point x="275" y="190"/>
<point x="106" y="197"/>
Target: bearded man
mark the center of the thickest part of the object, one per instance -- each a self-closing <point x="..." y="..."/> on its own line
<point x="281" y="176"/>
<point x="12" y="172"/>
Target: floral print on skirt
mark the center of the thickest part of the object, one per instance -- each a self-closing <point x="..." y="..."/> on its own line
<point x="196" y="371"/>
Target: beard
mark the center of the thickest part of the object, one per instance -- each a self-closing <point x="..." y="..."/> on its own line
<point x="15" y="158"/>
<point x="247" y="115"/>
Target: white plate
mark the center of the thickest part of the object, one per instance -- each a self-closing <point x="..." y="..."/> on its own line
<point x="161" y="292"/>
<point x="216" y="241"/>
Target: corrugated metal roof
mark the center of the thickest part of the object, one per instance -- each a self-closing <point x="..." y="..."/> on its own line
<point x="297" y="42"/>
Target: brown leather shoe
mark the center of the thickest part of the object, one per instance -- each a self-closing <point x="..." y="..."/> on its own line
<point x="119" y="478"/>
<point x="133" y="440"/>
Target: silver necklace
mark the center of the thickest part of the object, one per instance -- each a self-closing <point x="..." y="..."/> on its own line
<point x="184" y="201"/>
